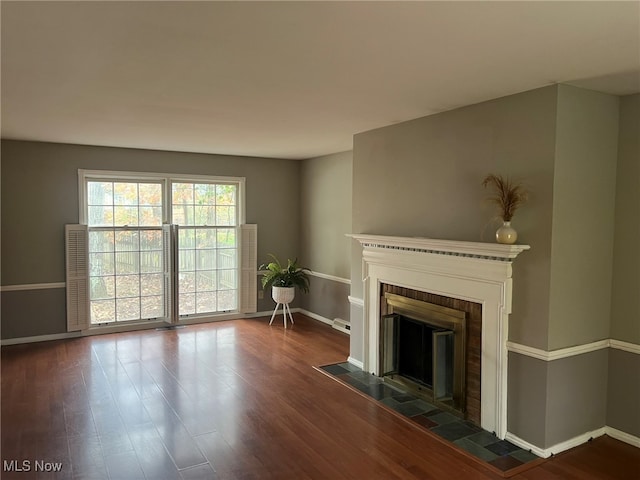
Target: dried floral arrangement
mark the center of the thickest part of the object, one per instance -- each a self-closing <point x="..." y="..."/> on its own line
<point x="508" y="195"/>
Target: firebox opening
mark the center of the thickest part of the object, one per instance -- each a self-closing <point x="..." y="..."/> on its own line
<point x="423" y="348"/>
<point x="425" y="355"/>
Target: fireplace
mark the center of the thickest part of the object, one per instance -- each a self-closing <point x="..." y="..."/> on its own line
<point x="456" y="271"/>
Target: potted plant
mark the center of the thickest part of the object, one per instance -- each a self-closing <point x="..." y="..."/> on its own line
<point x="508" y="197"/>
<point x="284" y="280"/>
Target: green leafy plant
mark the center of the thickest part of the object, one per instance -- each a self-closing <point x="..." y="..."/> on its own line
<point x="277" y="275"/>
<point x="508" y="196"/>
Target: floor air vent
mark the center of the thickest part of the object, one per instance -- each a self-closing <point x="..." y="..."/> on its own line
<point x="342" y="325"/>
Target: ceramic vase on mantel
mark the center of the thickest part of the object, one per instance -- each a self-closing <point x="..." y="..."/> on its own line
<point x="506" y="234"/>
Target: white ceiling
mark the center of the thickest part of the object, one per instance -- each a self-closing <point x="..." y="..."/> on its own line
<point x="290" y="79"/>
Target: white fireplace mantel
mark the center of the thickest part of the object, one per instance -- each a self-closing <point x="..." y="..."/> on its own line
<point x="494" y="251"/>
<point x="472" y="271"/>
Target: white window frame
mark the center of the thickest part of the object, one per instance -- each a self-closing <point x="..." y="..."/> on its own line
<point x="85" y="176"/>
<point x="166" y="178"/>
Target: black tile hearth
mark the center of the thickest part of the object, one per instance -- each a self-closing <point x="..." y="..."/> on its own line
<point x="482" y="445"/>
<point x="502" y="447"/>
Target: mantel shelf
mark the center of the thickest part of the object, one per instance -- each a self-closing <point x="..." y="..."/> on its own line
<point x="491" y="251"/>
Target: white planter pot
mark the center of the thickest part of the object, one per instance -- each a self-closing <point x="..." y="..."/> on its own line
<point x="283" y="294"/>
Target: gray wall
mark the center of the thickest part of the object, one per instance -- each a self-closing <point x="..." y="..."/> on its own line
<point x="325" y="219"/>
<point x="40" y="195"/>
<point x="624" y="392"/>
<point x="625" y="305"/>
<point x="551" y="402"/>
<point x="624" y="396"/>
<point x="576" y="396"/>
<point x="31" y="313"/>
<point x="527" y="383"/>
<point x="584" y="190"/>
<point x="423" y="178"/>
<point x="584" y="193"/>
<point x="325" y="202"/>
<point x="327" y="298"/>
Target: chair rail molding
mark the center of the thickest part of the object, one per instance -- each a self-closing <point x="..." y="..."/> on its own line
<point x="551" y="355"/>
<point x="32" y="286"/>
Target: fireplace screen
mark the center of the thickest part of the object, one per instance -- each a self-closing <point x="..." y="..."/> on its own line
<point x="423" y="345"/>
<point x="421" y="353"/>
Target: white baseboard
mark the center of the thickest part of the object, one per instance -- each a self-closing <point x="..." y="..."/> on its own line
<point x="149" y="326"/>
<point x="261" y="314"/>
<point x="526" y="445"/>
<point x="101" y="330"/>
<point x="40" y="338"/>
<point x="560" y="447"/>
<point x="307" y="313"/>
<point x="622" y="436"/>
<point x="315" y="316"/>
<point x="574" y="442"/>
<point x="355" y="363"/>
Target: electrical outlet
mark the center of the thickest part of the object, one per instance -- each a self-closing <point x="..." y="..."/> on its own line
<point x="260" y="294"/>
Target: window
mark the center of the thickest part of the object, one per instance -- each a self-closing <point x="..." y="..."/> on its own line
<point x="124" y="203"/>
<point x="125" y="251"/>
<point x="131" y="276"/>
<point x="207" y="219"/>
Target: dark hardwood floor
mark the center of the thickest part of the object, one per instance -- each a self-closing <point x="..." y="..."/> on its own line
<point x="227" y="400"/>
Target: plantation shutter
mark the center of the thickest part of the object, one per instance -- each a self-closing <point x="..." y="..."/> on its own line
<point x="170" y="256"/>
<point x="77" y="276"/>
<point x="248" y="268"/>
